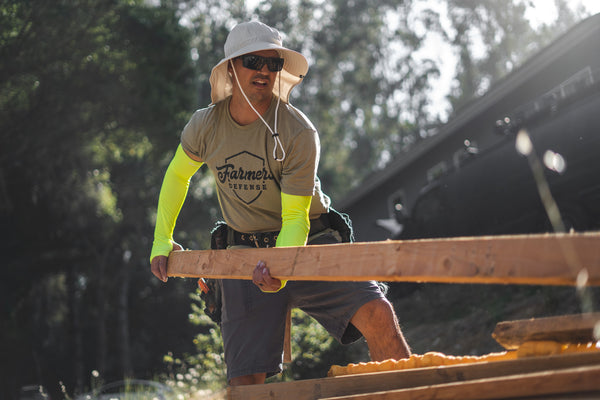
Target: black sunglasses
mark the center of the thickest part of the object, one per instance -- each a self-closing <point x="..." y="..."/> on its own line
<point x="252" y="61"/>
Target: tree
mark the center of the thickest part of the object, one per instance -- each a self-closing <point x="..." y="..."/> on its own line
<point x="91" y="93"/>
<point x="493" y="38"/>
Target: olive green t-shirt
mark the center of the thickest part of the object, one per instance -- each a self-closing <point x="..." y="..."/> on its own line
<point x="249" y="180"/>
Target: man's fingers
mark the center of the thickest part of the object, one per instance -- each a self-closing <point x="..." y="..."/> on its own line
<point x="159" y="267"/>
<point x="261" y="277"/>
<point x="257" y="274"/>
<point x="163" y="271"/>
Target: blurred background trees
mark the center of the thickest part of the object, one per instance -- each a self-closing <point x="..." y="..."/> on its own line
<point x="93" y="95"/>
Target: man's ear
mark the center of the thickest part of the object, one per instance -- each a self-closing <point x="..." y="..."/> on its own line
<point x="230" y="68"/>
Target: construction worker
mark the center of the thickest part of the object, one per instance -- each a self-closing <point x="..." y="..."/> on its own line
<point x="264" y="155"/>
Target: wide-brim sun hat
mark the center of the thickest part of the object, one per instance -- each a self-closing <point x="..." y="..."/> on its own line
<point x="249" y="37"/>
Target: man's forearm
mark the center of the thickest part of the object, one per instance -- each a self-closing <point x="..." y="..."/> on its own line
<point x="295" y="223"/>
<point x="172" y="195"/>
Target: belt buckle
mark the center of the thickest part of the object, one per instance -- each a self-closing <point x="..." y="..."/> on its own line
<point x="253" y="237"/>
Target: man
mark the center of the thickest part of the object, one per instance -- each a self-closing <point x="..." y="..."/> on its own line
<point x="264" y="155"/>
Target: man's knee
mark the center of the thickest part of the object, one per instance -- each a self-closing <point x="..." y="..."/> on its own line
<point x="382" y="307"/>
<point x="248" y="379"/>
<point x="375" y="316"/>
<point x="377" y="321"/>
<point x="380" y="310"/>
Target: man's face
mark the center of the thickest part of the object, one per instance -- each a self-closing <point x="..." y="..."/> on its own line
<point x="258" y="85"/>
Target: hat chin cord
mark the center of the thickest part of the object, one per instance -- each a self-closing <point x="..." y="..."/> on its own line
<point x="274" y="134"/>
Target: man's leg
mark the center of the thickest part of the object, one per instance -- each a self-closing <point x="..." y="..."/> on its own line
<point x="378" y="323"/>
<point x="252" y="327"/>
<point x="248" y="379"/>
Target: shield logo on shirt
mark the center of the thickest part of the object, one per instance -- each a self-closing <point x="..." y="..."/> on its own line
<point x="245" y="174"/>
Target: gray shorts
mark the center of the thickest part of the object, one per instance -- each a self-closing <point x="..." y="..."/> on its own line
<point x="253" y="322"/>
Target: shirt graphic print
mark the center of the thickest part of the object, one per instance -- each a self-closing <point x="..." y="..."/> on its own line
<point x="245" y="174"/>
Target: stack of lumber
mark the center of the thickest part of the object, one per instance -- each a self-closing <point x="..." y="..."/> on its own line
<point x="547" y="374"/>
<point x="527" y="338"/>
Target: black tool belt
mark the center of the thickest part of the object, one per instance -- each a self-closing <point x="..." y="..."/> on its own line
<point x="259" y="239"/>
<point x="268" y="239"/>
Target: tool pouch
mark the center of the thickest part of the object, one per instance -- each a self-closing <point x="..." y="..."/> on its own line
<point x="212" y="297"/>
<point x="342" y="223"/>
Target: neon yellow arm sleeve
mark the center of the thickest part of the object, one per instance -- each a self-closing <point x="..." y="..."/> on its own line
<point x="294" y="220"/>
<point x="295" y="224"/>
<point x="172" y="195"/>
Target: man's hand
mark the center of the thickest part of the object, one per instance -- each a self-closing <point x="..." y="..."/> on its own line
<point x="159" y="264"/>
<point x="263" y="279"/>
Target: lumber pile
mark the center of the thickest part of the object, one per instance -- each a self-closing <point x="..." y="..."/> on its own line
<point x="570" y="375"/>
<point x="436" y="359"/>
<point x="524" y="338"/>
<point x="538" y="372"/>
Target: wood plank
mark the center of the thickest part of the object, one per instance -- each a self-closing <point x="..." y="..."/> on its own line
<point x="312" y="389"/>
<point x="566" y="328"/>
<point x="572" y="380"/>
<point x="287" y="338"/>
<point x="549" y="259"/>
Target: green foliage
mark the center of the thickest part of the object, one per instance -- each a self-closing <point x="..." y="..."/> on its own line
<point x="90" y="95"/>
<point x="208" y="358"/>
<point x="492" y="39"/>
<point x="204" y="369"/>
<point x="314" y="350"/>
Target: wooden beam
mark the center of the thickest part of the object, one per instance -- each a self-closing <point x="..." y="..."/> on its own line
<point x="547" y="259"/>
<point x="565" y="329"/>
<point x="313" y="389"/>
<point x="546" y="383"/>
